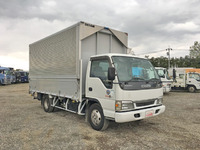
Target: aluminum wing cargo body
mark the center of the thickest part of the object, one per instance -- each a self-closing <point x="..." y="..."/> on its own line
<point x="58" y="62"/>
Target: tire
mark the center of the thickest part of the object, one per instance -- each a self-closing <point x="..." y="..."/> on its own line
<point x="191" y="89"/>
<point x="96" y="118"/>
<point x="46" y="104"/>
<point x="2" y="83"/>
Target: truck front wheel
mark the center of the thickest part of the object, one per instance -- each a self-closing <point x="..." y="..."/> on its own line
<point x="191" y="89"/>
<point x="96" y="117"/>
<point x="46" y="103"/>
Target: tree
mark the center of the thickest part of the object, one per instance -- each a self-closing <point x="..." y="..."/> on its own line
<point x="195" y="50"/>
<point x="176" y="62"/>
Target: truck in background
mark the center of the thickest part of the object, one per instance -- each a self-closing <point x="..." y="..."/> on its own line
<point x="5" y="76"/>
<point x="166" y="80"/>
<point x="185" y="78"/>
<point x="84" y="69"/>
<point x="21" y="76"/>
<point x="12" y="75"/>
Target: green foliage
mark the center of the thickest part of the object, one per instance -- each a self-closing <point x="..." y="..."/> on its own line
<point x="176" y="62"/>
<point x="159" y="61"/>
<point x="195" y="50"/>
<point x="193" y="60"/>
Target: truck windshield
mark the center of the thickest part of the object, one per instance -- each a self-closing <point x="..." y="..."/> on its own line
<point x="6" y="72"/>
<point x="23" y="73"/>
<point x="163" y="73"/>
<point x="130" y="69"/>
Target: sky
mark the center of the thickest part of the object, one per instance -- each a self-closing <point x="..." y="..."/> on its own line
<point x="152" y="25"/>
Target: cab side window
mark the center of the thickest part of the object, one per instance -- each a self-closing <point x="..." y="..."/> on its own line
<point x="181" y="76"/>
<point x="99" y="69"/>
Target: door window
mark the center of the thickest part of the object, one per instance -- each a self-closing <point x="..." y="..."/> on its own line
<point x="99" y="69"/>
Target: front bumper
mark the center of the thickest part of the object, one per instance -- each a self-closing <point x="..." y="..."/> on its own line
<point x="138" y="114"/>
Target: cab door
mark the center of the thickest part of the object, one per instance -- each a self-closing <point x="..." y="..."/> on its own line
<point x="98" y="86"/>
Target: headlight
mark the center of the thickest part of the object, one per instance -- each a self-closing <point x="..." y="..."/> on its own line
<point x="118" y="105"/>
<point x="160" y="100"/>
<point x="123" y="105"/>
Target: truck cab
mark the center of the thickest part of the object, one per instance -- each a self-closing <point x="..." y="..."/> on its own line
<point x="134" y="93"/>
<point x="12" y="75"/>
<point x="186" y="78"/>
<point x="166" y="80"/>
<point x="5" y="76"/>
<point x="193" y="81"/>
<point x="21" y="76"/>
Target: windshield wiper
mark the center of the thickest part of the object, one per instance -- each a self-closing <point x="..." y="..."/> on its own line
<point x="135" y="79"/>
<point x="153" y="79"/>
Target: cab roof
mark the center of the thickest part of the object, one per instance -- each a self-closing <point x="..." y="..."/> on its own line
<point x="116" y="54"/>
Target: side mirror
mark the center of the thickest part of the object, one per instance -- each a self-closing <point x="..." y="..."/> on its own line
<point x="111" y="73"/>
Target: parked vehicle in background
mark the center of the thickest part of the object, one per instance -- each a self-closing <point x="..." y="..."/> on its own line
<point x="18" y="77"/>
<point x="21" y="76"/>
<point x="84" y="69"/>
<point x="166" y="80"/>
<point x="186" y="78"/>
<point x="12" y="75"/>
<point x="5" y="77"/>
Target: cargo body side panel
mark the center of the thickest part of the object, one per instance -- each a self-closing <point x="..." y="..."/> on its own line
<point x="54" y="64"/>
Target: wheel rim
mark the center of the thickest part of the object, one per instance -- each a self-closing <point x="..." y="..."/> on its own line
<point x="191" y="89"/>
<point x="96" y="117"/>
<point x="45" y="104"/>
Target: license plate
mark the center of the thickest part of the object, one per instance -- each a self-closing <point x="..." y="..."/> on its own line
<point x="149" y="113"/>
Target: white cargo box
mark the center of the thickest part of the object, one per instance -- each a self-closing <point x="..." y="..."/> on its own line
<point x="58" y="62"/>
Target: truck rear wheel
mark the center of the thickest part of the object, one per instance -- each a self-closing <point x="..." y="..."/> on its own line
<point x="46" y="103"/>
<point x="96" y="117"/>
<point x="191" y="89"/>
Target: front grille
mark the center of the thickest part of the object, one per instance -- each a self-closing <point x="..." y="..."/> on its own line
<point x="145" y="103"/>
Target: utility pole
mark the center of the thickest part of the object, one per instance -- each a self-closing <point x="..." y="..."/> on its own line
<point x="168" y="54"/>
<point x="147" y="56"/>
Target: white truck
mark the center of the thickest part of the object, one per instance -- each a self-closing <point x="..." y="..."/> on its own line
<point x="185" y="78"/>
<point x="84" y="69"/>
<point x="166" y="80"/>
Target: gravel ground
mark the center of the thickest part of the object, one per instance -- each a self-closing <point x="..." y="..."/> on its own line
<point x="24" y="125"/>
